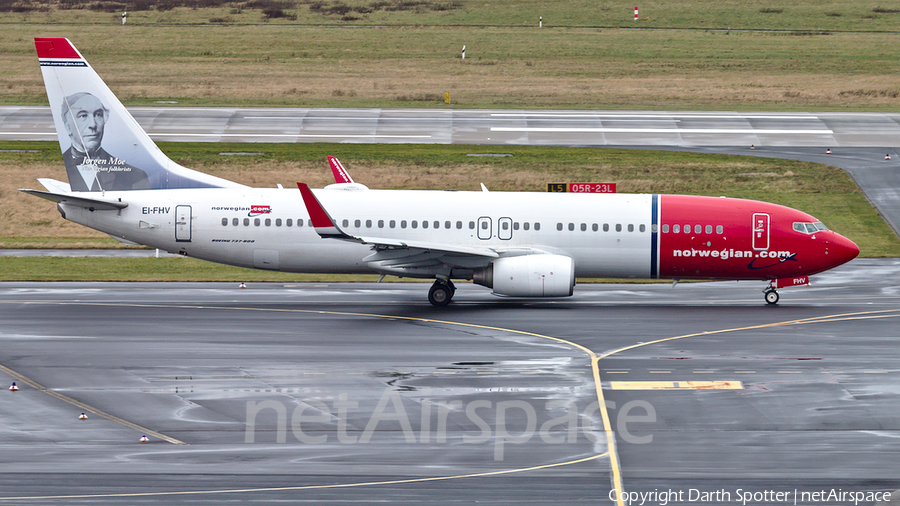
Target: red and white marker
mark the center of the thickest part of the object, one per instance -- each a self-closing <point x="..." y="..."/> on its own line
<point x="887" y="156"/>
<point x="828" y="151"/>
<point x="635" y="13"/>
<point x="82" y="417"/>
<point x="14" y="387"/>
<point x="242" y="285"/>
<point x="145" y="439"/>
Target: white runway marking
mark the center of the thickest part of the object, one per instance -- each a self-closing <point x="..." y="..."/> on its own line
<point x="720" y="131"/>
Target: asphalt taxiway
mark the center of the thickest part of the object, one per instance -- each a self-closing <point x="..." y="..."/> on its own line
<point x="365" y="393"/>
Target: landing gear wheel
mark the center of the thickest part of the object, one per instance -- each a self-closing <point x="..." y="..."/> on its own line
<point x="771" y="297"/>
<point x="440" y="294"/>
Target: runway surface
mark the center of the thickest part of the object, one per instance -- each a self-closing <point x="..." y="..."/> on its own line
<point x="365" y="393"/>
<point x="495" y="126"/>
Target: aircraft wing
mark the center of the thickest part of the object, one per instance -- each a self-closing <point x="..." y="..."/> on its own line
<point x="87" y="203"/>
<point x="394" y="251"/>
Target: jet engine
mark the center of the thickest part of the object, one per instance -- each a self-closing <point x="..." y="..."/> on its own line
<point x="529" y="276"/>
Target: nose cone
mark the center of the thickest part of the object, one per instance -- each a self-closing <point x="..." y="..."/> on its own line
<point x="841" y="250"/>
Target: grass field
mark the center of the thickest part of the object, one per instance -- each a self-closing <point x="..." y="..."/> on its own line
<point x="804" y="15"/>
<point x="840" y="56"/>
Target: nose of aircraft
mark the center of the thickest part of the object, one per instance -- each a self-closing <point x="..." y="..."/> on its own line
<point x="841" y="250"/>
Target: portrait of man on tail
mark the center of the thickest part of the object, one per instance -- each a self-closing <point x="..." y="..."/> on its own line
<point x="89" y="166"/>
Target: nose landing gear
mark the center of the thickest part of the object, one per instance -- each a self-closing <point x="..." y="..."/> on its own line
<point x="770" y="294"/>
<point x="441" y="292"/>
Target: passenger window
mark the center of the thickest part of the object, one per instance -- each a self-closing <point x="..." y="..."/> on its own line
<point x="289" y="222"/>
<point x="393" y="223"/>
<point x="246" y="222"/>
<point x="687" y="229"/>
<point x="709" y="229"/>
<point x="505" y="225"/>
<point x="559" y="226"/>
<point x="368" y="223"/>
<point x="308" y="223"/>
<point x="345" y="223"/>
<point x="606" y="227"/>
<point x="571" y="227"/>
<point x="415" y="224"/>
<point x="698" y="229"/>
<point x="631" y="227"/>
<point x="516" y="225"/>
<point x="424" y="224"/>
<point x="357" y="223"/>
<point x="719" y="229"/>
<point x="537" y="226"/>
<point x="402" y="223"/>
<point x="584" y="227"/>
<point x="595" y="227"/>
<point x="471" y="225"/>
<point x="458" y="225"/>
<point x="278" y="222"/>
<point x="299" y="222"/>
<point x="484" y="225"/>
<point x="666" y="229"/>
<point x="526" y="225"/>
<point x="643" y="228"/>
<point x="676" y="229"/>
<point x="380" y="223"/>
<point x="224" y="222"/>
<point x="256" y="222"/>
<point x="268" y="222"/>
<point x="437" y="224"/>
<point x="447" y="225"/>
<point x="618" y="227"/>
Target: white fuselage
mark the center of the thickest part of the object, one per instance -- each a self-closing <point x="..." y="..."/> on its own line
<point x="606" y="235"/>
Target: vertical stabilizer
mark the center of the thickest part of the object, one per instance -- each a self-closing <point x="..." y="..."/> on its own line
<point x="104" y="148"/>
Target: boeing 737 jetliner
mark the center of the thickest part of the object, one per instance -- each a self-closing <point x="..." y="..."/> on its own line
<point x="517" y="244"/>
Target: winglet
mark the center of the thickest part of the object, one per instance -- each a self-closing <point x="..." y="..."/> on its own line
<point x="340" y="173"/>
<point x="322" y="222"/>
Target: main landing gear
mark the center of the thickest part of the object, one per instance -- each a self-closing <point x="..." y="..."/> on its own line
<point x="771" y="295"/>
<point x="441" y="292"/>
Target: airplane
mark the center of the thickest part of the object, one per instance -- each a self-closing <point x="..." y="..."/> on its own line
<point x="518" y="244"/>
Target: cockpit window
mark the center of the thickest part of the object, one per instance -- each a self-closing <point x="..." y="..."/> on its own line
<point x="809" y="228"/>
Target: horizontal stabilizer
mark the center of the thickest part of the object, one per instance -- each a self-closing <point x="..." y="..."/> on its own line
<point x="54" y="186"/>
<point x="87" y="203"/>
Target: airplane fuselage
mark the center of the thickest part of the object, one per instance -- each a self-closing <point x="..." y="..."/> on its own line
<point x="618" y="235"/>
